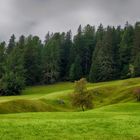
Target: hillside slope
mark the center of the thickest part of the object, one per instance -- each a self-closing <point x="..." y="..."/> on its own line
<point x="50" y="98"/>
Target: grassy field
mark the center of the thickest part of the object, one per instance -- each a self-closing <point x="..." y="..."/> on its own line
<point x="116" y="122"/>
<point x="38" y="115"/>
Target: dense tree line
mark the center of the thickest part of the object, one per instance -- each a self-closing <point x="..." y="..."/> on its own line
<point x="100" y="54"/>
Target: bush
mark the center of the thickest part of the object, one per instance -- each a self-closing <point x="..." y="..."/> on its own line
<point x="137" y="93"/>
<point x="81" y="97"/>
<point x="11" y="84"/>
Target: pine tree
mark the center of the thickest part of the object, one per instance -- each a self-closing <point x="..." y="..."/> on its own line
<point x="137" y="65"/>
<point x="51" y="59"/>
<point x="103" y="66"/>
<point x="125" y="50"/>
<point x="88" y="48"/>
<point x="2" y="57"/>
<point x="76" y="69"/>
<point x="66" y="44"/>
<point x="136" y="50"/>
<point x="116" y="47"/>
<point x="11" y="44"/>
<point x="21" y="42"/>
<point x="13" y="80"/>
<point x="94" y="69"/>
<point x="33" y="60"/>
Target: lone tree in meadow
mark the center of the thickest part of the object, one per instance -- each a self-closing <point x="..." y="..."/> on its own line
<point x="137" y="94"/>
<point x="81" y="97"/>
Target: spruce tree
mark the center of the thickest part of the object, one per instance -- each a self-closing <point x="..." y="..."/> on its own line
<point x="125" y="50"/>
<point x="76" y="69"/>
<point x="94" y="69"/>
<point x="65" y="47"/>
<point x="13" y="80"/>
<point x="104" y="66"/>
<point x="88" y="48"/>
<point x="51" y="59"/>
<point x="2" y="57"/>
<point x="136" y="50"/>
<point x="11" y="44"/>
<point x="137" y="65"/>
<point x="33" y="60"/>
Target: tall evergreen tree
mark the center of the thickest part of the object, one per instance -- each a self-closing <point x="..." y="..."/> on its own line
<point x="33" y="60"/>
<point x="51" y="58"/>
<point x="136" y="50"/>
<point x="2" y="57"/>
<point x="94" y="69"/>
<point x="125" y="50"/>
<point x="88" y="48"/>
<point x="13" y="80"/>
<point x="104" y="63"/>
<point x="66" y="44"/>
<point x="116" y="47"/>
<point x="11" y="44"/>
<point x="21" y="42"/>
<point x="76" y="69"/>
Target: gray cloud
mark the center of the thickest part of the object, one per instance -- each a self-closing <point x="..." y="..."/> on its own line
<point x="40" y="16"/>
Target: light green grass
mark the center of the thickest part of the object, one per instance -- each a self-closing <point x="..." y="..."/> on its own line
<point x="116" y="115"/>
<point x="115" y="122"/>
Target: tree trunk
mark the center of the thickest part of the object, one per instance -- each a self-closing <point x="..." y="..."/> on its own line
<point x="83" y="108"/>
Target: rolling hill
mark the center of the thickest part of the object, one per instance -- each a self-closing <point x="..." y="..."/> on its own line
<point x="39" y="114"/>
<point x="48" y="98"/>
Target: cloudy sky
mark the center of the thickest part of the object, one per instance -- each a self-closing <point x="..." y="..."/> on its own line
<point x="40" y="16"/>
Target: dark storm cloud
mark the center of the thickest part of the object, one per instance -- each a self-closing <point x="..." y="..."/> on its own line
<point x="39" y="16"/>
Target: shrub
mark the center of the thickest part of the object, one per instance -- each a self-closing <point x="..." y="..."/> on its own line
<point x="81" y="97"/>
<point x="137" y="93"/>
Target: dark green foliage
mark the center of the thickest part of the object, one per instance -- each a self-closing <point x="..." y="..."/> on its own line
<point x="11" y="44"/>
<point x="125" y="50"/>
<point x="76" y="69"/>
<point x="136" y="50"/>
<point x="137" y="65"/>
<point x="94" y="69"/>
<point x="66" y="44"/>
<point x="89" y="46"/>
<point x="51" y="59"/>
<point x="103" y="67"/>
<point x="84" y="44"/>
<point x="106" y="54"/>
<point x="2" y="58"/>
<point x="13" y="81"/>
<point x="33" y="60"/>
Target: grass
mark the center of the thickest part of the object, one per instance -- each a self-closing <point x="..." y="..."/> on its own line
<point x="38" y="114"/>
<point x="47" y="98"/>
<point x="115" y="122"/>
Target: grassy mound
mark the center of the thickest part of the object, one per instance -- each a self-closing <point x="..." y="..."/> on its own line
<point x="18" y="106"/>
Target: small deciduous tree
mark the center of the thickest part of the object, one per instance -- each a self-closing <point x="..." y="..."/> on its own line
<point x="137" y="94"/>
<point x="81" y="97"/>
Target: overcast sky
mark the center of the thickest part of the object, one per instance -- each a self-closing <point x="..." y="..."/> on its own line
<point x="40" y="16"/>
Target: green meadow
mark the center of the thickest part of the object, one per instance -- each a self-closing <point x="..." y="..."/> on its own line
<point x="38" y="114"/>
